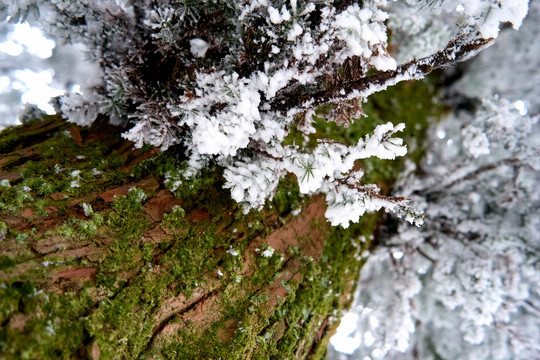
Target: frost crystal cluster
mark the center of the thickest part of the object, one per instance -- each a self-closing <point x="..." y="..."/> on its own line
<point x="226" y="81"/>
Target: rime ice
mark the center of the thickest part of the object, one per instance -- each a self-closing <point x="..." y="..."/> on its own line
<point x="231" y="95"/>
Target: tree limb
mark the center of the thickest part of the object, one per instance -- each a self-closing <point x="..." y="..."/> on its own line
<point x="455" y="51"/>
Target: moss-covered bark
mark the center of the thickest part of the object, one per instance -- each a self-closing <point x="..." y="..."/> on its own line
<point x="89" y="269"/>
<point x="92" y="269"/>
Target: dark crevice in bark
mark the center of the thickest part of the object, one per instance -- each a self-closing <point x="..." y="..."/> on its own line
<point x="183" y="311"/>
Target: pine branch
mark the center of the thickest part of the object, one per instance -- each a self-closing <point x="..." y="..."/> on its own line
<point x="456" y="51"/>
<point x="372" y="191"/>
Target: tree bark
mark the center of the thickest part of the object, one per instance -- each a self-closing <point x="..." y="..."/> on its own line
<point x="181" y="276"/>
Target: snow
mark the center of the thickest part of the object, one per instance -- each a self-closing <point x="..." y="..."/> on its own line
<point x="294" y="32"/>
<point x="476" y="142"/>
<point x="512" y="11"/>
<point x="36" y="88"/>
<point x="346" y="341"/>
<point x="276" y="17"/>
<point x="25" y="37"/>
<point x="198" y="47"/>
<point x="364" y="33"/>
<point x="87" y="209"/>
<point x="268" y="252"/>
<point x="231" y="251"/>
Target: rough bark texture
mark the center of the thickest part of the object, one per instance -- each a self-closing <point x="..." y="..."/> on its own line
<point x="183" y="275"/>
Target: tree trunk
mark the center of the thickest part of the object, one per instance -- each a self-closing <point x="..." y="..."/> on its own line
<point x="89" y="269"/>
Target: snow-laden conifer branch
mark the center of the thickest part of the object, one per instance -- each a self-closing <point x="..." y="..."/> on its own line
<point x="228" y="79"/>
<point x="456" y="51"/>
<point x="329" y="169"/>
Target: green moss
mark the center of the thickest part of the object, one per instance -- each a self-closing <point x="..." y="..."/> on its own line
<point x="176" y="218"/>
<point x="3" y="230"/>
<point x="8" y="141"/>
<point x="287" y="197"/>
<point x="13" y="137"/>
<point x="299" y="317"/>
<point x="116" y="308"/>
<point x="56" y="333"/>
<point x="156" y="166"/>
<point x="76" y="228"/>
<point x="60" y="166"/>
<point x="319" y="293"/>
<point x="6" y="262"/>
<point x="116" y="177"/>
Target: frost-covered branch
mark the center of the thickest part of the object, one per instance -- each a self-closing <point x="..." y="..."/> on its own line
<point x="456" y="51"/>
<point x="228" y="80"/>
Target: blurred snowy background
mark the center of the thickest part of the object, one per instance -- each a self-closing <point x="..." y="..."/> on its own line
<point x="34" y="69"/>
<point x="465" y="285"/>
